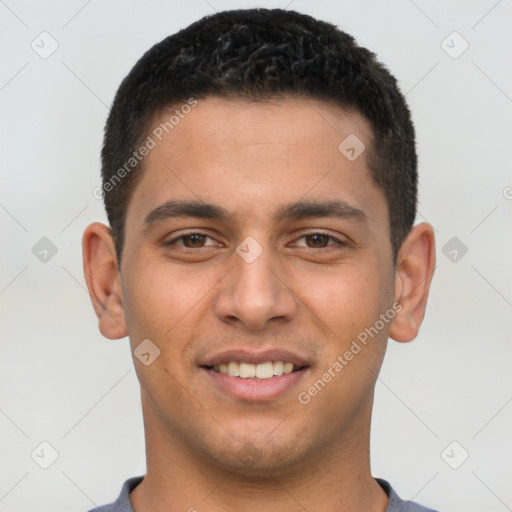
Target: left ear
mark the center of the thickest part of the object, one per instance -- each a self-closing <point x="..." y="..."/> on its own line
<point x="415" y="267"/>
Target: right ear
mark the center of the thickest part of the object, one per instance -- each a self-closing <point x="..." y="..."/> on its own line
<point x="103" y="280"/>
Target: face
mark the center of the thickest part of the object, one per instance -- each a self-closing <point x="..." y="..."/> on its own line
<point x="256" y="253"/>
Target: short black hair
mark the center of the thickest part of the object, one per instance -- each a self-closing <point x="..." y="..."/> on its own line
<point x="261" y="54"/>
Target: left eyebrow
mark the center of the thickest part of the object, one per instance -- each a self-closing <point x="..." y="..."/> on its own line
<point x="312" y="209"/>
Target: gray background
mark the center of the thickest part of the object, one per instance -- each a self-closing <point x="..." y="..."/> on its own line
<point x="62" y="383"/>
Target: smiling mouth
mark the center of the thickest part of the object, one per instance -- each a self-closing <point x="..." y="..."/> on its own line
<point x="262" y="371"/>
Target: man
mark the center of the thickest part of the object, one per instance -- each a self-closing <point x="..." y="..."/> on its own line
<point x="260" y="181"/>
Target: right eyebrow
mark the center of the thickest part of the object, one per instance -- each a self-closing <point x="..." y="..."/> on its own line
<point x="182" y="209"/>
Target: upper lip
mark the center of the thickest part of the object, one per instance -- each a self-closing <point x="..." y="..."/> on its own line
<point x="255" y="357"/>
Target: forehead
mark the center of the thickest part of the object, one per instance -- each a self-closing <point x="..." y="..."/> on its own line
<point x="286" y="124"/>
<point x="254" y="156"/>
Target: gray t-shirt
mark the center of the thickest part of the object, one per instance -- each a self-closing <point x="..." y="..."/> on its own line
<point x="122" y="504"/>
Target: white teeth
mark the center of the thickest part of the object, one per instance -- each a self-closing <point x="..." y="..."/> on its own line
<point x="265" y="370"/>
<point x="288" y="368"/>
<point x="233" y="369"/>
<point x="247" y="371"/>
<point x="262" y="371"/>
<point x="278" y="368"/>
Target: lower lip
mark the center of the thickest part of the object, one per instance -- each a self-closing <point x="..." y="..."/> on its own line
<point x="254" y="389"/>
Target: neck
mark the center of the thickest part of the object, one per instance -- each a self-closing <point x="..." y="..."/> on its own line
<point x="338" y="479"/>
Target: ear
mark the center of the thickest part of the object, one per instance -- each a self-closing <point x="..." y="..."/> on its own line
<point x="103" y="280"/>
<point x="415" y="267"/>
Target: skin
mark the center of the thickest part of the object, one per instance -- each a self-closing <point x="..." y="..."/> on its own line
<point x="304" y="293"/>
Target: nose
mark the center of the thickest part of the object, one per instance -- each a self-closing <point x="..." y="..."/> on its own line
<point x="255" y="292"/>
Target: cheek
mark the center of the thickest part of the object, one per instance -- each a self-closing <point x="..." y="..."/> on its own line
<point x="344" y="381"/>
<point x="167" y="304"/>
<point x="163" y="306"/>
<point x="351" y="304"/>
<point x="346" y="299"/>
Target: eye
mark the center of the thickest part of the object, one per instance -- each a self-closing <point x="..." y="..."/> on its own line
<point x="195" y="240"/>
<point x="198" y="240"/>
<point x="319" y="240"/>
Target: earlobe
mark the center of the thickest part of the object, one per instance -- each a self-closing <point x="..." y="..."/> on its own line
<point x="103" y="280"/>
<point x="415" y="268"/>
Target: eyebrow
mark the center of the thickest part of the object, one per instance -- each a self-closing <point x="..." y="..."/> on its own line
<point x="294" y="211"/>
<point x="180" y="209"/>
<point x="312" y="209"/>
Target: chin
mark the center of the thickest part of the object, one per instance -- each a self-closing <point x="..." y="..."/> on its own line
<point x="256" y="456"/>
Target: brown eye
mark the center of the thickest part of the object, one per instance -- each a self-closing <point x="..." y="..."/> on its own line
<point x="320" y="240"/>
<point x="194" y="240"/>
<point x="317" y="240"/>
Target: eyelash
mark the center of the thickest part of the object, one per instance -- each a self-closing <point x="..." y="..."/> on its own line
<point x="339" y="243"/>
